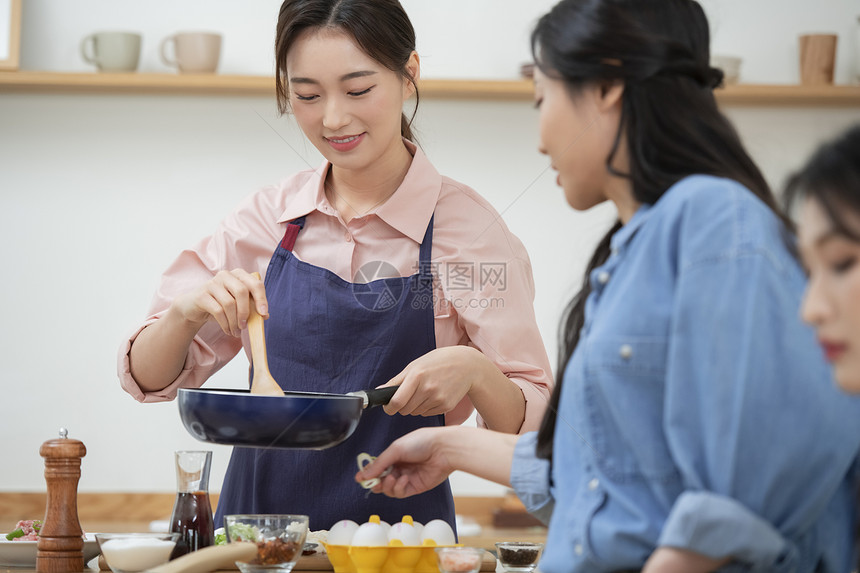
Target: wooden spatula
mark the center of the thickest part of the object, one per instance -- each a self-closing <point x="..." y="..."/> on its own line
<point x="262" y="382"/>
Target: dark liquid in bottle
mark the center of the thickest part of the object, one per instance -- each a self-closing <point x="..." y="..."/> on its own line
<point x="192" y="518"/>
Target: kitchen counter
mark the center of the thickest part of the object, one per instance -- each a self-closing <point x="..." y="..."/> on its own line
<point x="316" y="562"/>
<point x="486" y="538"/>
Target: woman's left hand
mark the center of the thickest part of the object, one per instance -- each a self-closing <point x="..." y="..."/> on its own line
<point x="436" y="382"/>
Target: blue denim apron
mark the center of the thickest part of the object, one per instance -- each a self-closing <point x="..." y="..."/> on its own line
<point x="325" y="334"/>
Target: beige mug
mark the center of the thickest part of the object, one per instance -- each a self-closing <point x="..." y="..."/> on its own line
<point x="817" y="58"/>
<point x="112" y="51"/>
<point x="193" y="52"/>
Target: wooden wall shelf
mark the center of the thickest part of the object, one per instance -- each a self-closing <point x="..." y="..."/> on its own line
<point x="516" y="90"/>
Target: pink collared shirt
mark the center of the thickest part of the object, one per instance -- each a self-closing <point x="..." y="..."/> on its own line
<point x="484" y="290"/>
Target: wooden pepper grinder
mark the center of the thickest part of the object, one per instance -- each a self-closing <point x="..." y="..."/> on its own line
<point x="61" y="542"/>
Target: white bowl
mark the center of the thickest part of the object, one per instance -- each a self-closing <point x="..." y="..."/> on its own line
<point x="131" y="552"/>
<point x="23" y="553"/>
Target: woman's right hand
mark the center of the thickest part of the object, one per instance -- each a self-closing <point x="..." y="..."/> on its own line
<point x="417" y="461"/>
<point x="226" y="299"/>
<point x="424" y="458"/>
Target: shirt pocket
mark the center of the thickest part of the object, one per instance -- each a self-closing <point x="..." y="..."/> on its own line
<point x="623" y="397"/>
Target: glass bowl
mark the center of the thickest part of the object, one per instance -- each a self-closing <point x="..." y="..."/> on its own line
<point x="131" y="552"/>
<point x="459" y="559"/>
<point x="279" y="538"/>
<point x="519" y="556"/>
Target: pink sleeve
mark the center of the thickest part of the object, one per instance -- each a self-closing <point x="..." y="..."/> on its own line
<point x="208" y="353"/>
<point x="497" y="314"/>
<point x="506" y="332"/>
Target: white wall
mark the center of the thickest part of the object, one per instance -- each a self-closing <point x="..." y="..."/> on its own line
<point x="99" y="193"/>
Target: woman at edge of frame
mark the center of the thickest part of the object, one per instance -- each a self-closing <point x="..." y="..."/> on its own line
<point x="345" y="70"/>
<point x="696" y="426"/>
<point x="825" y="194"/>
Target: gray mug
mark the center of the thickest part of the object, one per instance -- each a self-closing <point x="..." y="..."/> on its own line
<point x="112" y="51"/>
<point x="194" y="52"/>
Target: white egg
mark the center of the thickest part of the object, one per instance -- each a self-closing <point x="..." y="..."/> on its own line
<point x="419" y="527"/>
<point x="405" y="533"/>
<point x="369" y="534"/>
<point x="386" y="526"/>
<point x="439" y="531"/>
<point x="341" y="533"/>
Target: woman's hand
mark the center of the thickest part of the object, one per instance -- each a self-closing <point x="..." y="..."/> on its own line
<point x="417" y="461"/>
<point x="672" y="560"/>
<point x="436" y="382"/>
<point x="424" y="458"/>
<point x="226" y="299"/>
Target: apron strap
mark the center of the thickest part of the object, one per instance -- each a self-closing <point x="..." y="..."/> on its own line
<point x="293" y="228"/>
<point x="424" y="252"/>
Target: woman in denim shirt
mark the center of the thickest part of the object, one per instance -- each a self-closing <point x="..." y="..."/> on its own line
<point x="696" y="426"/>
<point x="827" y="191"/>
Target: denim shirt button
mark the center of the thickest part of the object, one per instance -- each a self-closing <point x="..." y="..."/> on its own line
<point x="626" y="351"/>
<point x="594" y="484"/>
<point x="577" y="549"/>
<point x="603" y="277"/>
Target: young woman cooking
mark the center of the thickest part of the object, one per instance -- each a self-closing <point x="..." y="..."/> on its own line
<point x="345" y="69"/>
<point x="695" y="427"/>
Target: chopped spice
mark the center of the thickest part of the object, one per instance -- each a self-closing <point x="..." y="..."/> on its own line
<point x="518" y="557"/>
<point x="275" y="551"/>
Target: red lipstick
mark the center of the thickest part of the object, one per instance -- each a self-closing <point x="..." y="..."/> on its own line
<point x="832" y="350"/>
<point x="345" y="143"/>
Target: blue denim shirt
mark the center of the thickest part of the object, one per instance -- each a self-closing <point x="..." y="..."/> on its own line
<point x="697" y="410"/>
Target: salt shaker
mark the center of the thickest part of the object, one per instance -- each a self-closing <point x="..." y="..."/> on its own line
<point x="61" y="542"/>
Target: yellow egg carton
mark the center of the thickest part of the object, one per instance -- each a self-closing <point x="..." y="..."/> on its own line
<point x="392" y="558"/>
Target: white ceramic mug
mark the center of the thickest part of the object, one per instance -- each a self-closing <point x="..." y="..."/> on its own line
<point x="112" y="51"/>
<point x="731" y="66"/>
<point x="193" y="52"/>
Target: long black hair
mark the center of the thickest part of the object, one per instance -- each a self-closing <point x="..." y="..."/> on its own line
<point x="832" y="178"/>
<point x="660" y="50"/>
<point x="381" y="28"/>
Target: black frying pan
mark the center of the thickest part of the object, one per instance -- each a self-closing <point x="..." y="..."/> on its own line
<point x="296" y="420"/>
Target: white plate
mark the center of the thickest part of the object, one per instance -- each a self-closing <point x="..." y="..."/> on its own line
<point x="23" y="553"/>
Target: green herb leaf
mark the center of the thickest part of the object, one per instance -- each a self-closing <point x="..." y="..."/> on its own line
<point x="15" y="534"/>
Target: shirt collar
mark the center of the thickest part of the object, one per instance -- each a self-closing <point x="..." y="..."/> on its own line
<point x="626" y="233"/>
<point x="408" y="210"/>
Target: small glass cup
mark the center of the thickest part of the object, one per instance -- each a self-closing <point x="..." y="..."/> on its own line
<point x="131" y="552"/>
<point x="519" y="556"/>
<point x="459" y="559"/>
<point x="279" y="539"/>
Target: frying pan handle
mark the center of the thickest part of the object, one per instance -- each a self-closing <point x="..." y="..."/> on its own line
<point x="378" y="396"/>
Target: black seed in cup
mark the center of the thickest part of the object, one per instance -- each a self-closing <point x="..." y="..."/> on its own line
<point x="521" y="556"/>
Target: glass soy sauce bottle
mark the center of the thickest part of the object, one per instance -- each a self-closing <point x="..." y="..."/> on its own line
<point x="192" y="511"/>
